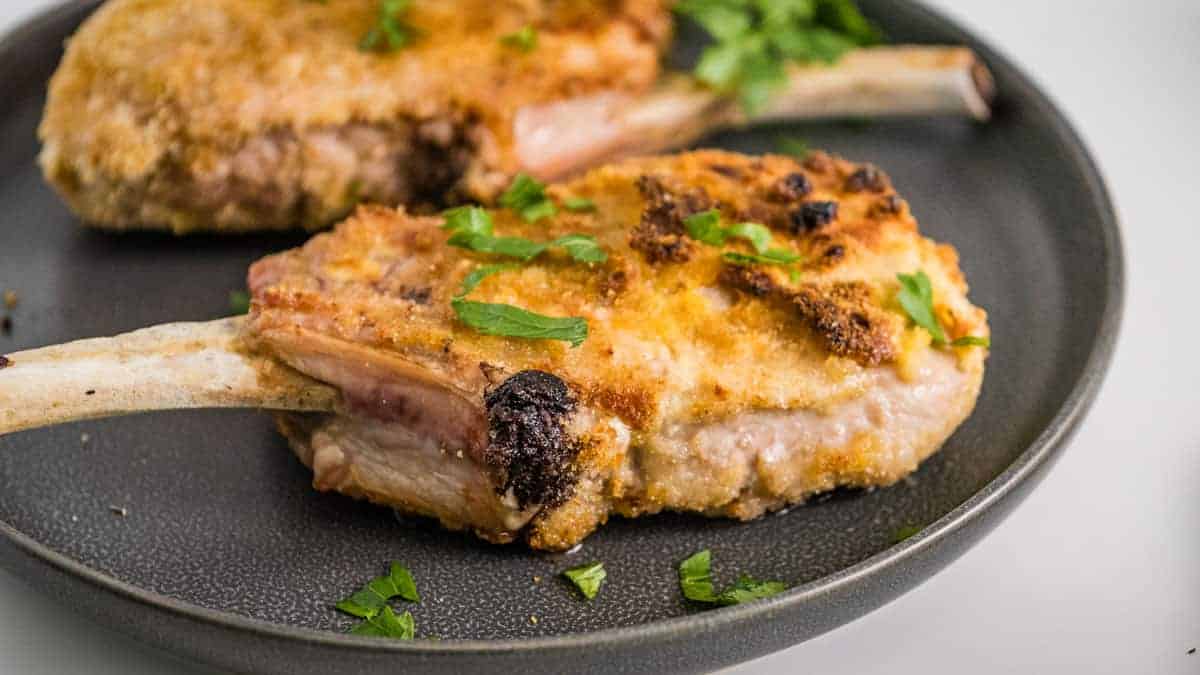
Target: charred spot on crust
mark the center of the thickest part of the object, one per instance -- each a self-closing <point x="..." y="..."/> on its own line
<point x="726" y="170"/>
<point x="419" y="296"/>
<point x="792" y="187"/>
<point x="888" y="206"/>
<point x="866" y="178"/>
<point x="747" y="279"/>
<point x="835" y="252"/>
<point x="660" y="235"/>
<point x="528" y="444"/>
<point x="4" y="362"/>
<point x="813" y="215"/>
<point x="839" y="313"/>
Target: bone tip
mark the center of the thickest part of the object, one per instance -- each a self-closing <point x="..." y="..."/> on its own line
<point x="985" y="87"/>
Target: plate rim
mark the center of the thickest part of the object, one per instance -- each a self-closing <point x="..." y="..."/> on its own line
<point x="1037" y="456"/>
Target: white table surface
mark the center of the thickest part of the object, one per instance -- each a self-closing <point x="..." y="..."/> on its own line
<point x="1099" y="570"/>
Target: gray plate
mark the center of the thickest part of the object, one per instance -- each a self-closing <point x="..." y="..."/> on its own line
<point x="228" y="556"/>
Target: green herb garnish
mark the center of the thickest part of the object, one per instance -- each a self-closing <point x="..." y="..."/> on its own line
<point x="239" y="302"/>
<point x="371" y="599"/>
<point x="792" y="146"/>
<point x="524" y="40"/>
<point x="972" y="341"/>
<point x="528" y="197"/>
<point x="706" y="227"/>
<point x="755" y="39"/>
<point x="579" y="205"/>
<point x="471" y="228"/>
<point x="387" y="624"/>
<point x="905" y="532"/>
<point x="509" y="321"/>
<point x="916" y="298"/>
<point x="587" y="578"/>
<point x="695" y="580"/>
<point x="389" y="32"/>
<point x="775" y="256"/>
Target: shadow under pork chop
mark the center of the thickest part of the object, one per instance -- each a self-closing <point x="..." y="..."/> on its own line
<point x="728" y="388"/>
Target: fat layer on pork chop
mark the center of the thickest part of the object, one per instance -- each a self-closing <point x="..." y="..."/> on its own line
<point x="709" y="382"/>
<point x="232" y="115"/>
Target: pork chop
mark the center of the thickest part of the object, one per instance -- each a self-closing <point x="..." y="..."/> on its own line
<point x="714" y="378"/>
<point x="229" y="115"/>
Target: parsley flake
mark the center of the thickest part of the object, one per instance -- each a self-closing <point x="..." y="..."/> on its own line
<point x="579" y="205"/>
<point x="509" y="321"/>
<point x="916" y="298"/>
<point x="587" y="578"/>
<point x="792" y="146"/>
<point x="239" y="302"/>
<point x="389" y="32"/>
<point x="524" y="40"/>
<point x="775" y="256"/>
<point x="905" y="532"/>
<point x="695" y="580"/>
<point x="754" y="41"/>
<point x="371" y="599"/>
<point x="972" y="341"/>
<point x="471" y="228"/>
<point x="387" y="624"/>
<point x="528" y="197"/>
<point x="706" y="227"/>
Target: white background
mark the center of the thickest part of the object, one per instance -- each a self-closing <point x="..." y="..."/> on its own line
<point x="1099" y="570"/>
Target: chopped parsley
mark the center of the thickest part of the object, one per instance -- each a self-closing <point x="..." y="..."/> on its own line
<point x="525" y="40"/>
<point x="390" y="32"/>
<point x="579" y="205"/>
<point x="371" y="599"/>
<point x="905" y="532"/>
<point x="471" y="228"/>
<point x="793" y="146"/>
<point x="754" y="40"/>
<point x="706" y="227"/>
<point x="387" y="624"/>
<point x="916" y="298"/>
<point x="587" y="578"/>
<point x="239" y="302"/>
<point x="972" y="341"/>
<point x="695" y="580"/>
<point x="509" y="321"/>
<point x="528" y="197"/>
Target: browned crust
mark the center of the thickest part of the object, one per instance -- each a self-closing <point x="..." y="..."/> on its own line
<point x="663" y="344"/>
<point x="842" y="314"/>
<point x="138" y="132"/>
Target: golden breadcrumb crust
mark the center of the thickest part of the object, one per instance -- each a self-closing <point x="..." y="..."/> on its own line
<point x="677" y="338"/>
<point x="157" y="91"/>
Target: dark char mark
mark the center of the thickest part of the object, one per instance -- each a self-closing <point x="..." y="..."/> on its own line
<point x="529" y="447"/>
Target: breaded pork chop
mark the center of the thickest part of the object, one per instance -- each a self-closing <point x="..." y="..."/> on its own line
<point x="231" y="115"/>
<point x="238" y="115"/>
<point x="747" y="346"/>
<point x="704" y="385"/>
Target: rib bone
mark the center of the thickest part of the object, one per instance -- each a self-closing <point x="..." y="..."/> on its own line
<point x="167" y="367"/>
<point x="560" y="139"/>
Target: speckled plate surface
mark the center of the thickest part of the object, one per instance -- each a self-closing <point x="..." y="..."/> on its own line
<point x="226" y="555"/>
